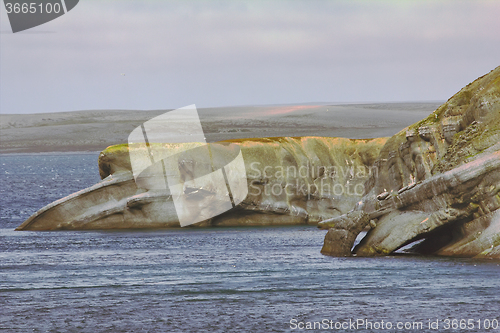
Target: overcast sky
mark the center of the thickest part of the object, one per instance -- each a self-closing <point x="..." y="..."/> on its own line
<point x="223" y="53"/>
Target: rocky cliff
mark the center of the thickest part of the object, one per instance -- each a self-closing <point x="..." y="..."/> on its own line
<point x="299" y="180"/>
<point x="438" y="182"/>
<point x="435" y="183"/>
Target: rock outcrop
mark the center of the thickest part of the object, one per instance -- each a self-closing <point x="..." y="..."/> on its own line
<point x="435" y="183"/>
<point x="299" y="180"/>
<point x="438" y="182"/>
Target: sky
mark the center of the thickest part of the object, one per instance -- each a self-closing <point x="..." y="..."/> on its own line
<point x="148" y="55"/>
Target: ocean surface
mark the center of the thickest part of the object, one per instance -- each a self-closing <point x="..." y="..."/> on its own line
<point x="214" y="280"/>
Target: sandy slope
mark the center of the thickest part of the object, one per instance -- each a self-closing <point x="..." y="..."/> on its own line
<point x="95" y="130"/>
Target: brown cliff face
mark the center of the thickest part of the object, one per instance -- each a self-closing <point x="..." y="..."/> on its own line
<point x="438" y="180"/>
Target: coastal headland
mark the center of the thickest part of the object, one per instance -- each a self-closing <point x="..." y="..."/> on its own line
<point x="435" y="182"/>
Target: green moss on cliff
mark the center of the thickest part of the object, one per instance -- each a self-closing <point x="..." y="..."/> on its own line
<point x="479" y="106"/>
<point x="115" y="149"/>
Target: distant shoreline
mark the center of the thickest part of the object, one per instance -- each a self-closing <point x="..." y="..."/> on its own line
<point x="90" y="131"/>
<point x="48" y="153"/>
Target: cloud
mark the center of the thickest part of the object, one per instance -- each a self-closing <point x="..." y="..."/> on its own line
<point x="216" y="53"/>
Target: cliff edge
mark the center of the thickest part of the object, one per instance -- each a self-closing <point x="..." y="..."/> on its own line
<point x="291" y="180"/>
<point x="438" y="183"/>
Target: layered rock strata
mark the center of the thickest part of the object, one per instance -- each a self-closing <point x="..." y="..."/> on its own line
<point x="438" y="183"/>
<point x="435" y="183"/>
<point x="300" y="180"/>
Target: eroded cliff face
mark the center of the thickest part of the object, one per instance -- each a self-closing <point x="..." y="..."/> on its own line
<point x="300" y="180"/>
<point x="438" y="180"/>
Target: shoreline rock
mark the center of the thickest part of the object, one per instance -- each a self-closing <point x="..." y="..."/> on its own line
<point x="290" y="180"/>
<point x="438" y="180"/>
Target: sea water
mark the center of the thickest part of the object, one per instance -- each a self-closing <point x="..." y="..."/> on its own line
<point x="270" y="279"/>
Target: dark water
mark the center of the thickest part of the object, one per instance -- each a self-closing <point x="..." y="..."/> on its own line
<point x="212" y="280"/>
